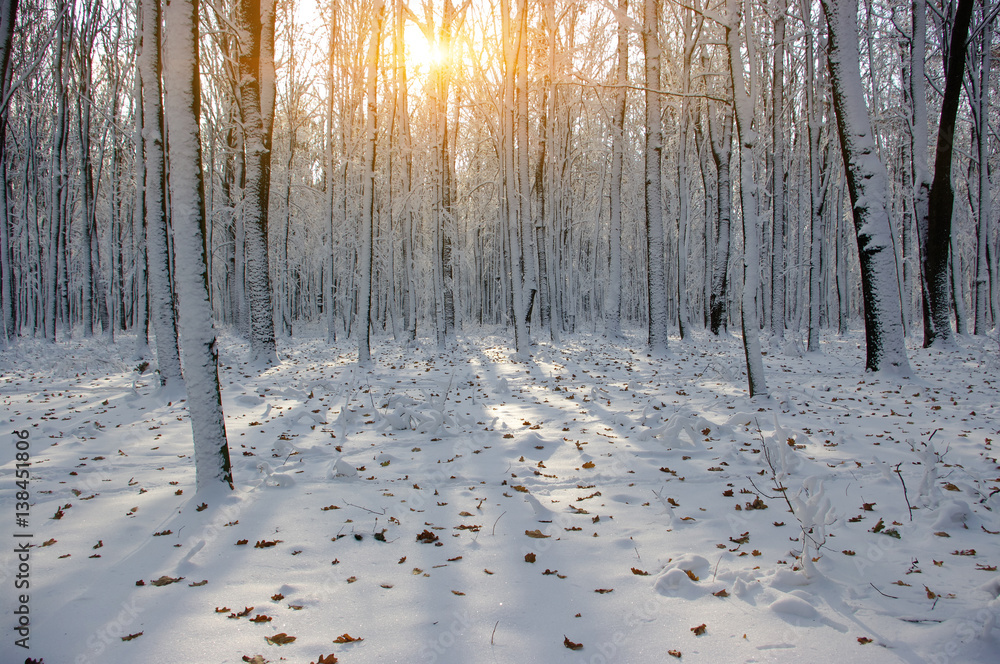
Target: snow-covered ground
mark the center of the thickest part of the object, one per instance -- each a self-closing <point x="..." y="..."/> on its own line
<point x="662" y="511"/>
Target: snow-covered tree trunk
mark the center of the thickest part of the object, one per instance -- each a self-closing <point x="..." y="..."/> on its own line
<point x="160" y="291"/>
<point x="721" y="140"/>
<point x="868" y="183"/>
<point x="529" y="255"/>
<point x="257" y="84"/>
<point x="655" y="250"/>
<point x="778" y="177"/>
<point x="182" y="83"/>
<point x="691" y="30"/>
<point x="140" y="314"/>
<point x="365" y="248"/>
<point x="613" y="294"/>
<point x="402" y="116"/>
<point x="919" y="149"/>
<point x="981" y="122"/>
<point x="90" y="16"/>
<point x="743" y="104"/>
<point x="329" y="291"/>
<point x="957" y="287"/>
<point x="941" y="200"/>
<point x="816" y="189"/>
<point x="8" y="16"/>
<point x="511" y="205"/>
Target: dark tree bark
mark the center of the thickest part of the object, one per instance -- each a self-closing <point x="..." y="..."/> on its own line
<point x="942" y="195"/>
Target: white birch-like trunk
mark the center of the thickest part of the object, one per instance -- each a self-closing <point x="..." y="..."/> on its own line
<point x="511" y="205"/>
<point x="161" y="294"/>
<point x="256" y="69"/>
<point x="816" y="188"/>
<point x="655" y="249"/>
<point x="721" y="140"/>
<point x="613" y="294"/>
<point x="743" y="104"/>
<point x="981" y="119"/>
<point x="868" y="183"/>
<point x="365" y="248"/>
<point x="187" y="212"/>
<point x="778" y="178"/>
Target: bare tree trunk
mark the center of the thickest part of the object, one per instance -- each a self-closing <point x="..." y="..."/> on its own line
<point x="868" y="183"/>
<point x="941" y="200"/>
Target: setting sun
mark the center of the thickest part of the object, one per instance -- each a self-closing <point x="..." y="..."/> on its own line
<point x="421" y="53"/>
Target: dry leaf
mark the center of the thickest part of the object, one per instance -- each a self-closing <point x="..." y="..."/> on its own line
<point x="346" y="638"/>
<point x="245" y="612"/>
<point x="263" y="544"/>
<point x="279" y="639"/>
<point x="224" y="609"/>
<point x="604" y="591"/>
<point x="328" y="659"/>
<point x="132" y="636"/>
<point x="427" y="537"/>
<point x="674" y="653"/>
<point x="721" y="593"/>
<point x="639" y="572"/>
<point x="691" y="575"/>
<point x="529" y="557"/>
<point x="277" y="597"/>
<point x="166" y="580"/>
<point x="588" y="465"/>
<point x="198" y="583"/>
<point x="537" y="534"/>
<point x="260" y="618"/>
<point x="256" y="659"/>
<point x="49" y="542"/>
<point x="201" y="508"/>
<point x="458" y="592"/>
<point x="242" y="542"/>
<point x="700" y="629"/>
<point x="569" y="644"/>
<point x="864" y="640"/>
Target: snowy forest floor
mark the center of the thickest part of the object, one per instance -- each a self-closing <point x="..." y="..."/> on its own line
<point x="399" y="507"/>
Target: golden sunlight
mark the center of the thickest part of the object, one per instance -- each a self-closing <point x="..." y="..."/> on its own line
<point x="421" y="54"/>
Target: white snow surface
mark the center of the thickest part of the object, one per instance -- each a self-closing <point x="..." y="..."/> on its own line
<point x="653" y="486"/>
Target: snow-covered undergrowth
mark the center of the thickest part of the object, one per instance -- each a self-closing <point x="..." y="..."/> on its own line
<point x="849" y="516"/>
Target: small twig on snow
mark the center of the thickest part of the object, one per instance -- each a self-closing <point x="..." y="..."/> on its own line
<point x="367" y="510"/>
<point x="880" y="592"/>
<point x="905" y="497"/>
<point x="497" y="521"/>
